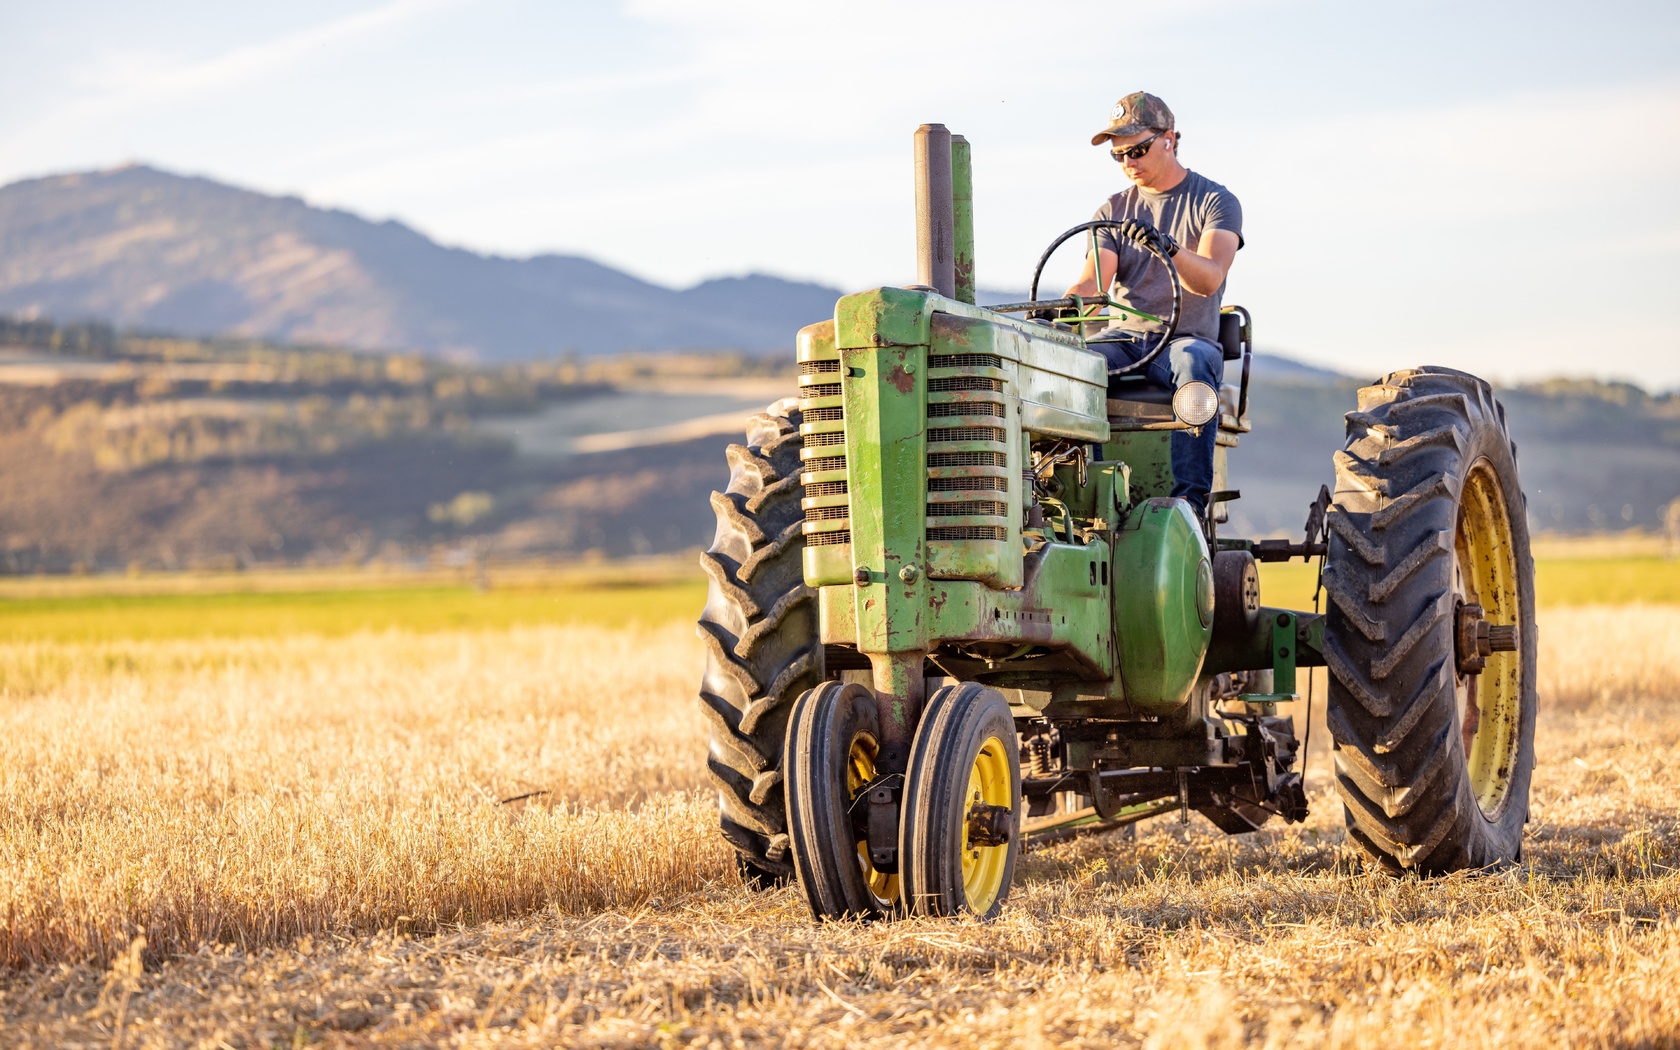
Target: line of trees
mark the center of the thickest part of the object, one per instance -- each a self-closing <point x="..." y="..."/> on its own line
<point x="84" y="339"/>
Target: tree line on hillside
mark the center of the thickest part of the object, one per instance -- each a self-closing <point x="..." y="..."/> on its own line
<point x="181" y="400"/>
<point x="164" y="452"/>
<point x="87" y="339"/>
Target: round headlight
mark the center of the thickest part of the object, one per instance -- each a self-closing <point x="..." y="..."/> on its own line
<point x="1195" y="403"/>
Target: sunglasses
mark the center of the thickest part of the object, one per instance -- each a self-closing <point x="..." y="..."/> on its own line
<point x="1134" y="152"/>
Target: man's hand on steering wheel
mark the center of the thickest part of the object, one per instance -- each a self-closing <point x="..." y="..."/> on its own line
<point x="1132" y="231"/>
<point x="1147" y="237"/>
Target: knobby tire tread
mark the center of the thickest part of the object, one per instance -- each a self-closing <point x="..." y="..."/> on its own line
<point x="1399" y="755"/>
<point x="760" y="633"/>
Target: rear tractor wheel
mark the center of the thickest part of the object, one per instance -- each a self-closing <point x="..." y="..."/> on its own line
<point x="761" y="635"/>
<point x="959" y="830"/>
<point x="1430" y="637"/>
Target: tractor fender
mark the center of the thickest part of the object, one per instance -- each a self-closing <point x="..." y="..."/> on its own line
<point x="1163" y="604"/>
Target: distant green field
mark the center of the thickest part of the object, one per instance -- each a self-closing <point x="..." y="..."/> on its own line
<point x="340" y="612"/>
<point x="1557" y="581"/>
<point x="439" y="607"/>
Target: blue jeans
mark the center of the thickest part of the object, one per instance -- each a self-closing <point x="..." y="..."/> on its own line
<point x="1186" y="358"/>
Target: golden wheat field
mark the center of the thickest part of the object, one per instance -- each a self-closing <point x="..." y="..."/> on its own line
<point x="302" y="839"/>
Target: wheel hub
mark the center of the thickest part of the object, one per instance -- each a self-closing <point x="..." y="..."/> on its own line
<point x="862" y="784"/>
<point x="989" y="825"/>
<point x="1475" y="639"/>
<point x="991" y="814"/>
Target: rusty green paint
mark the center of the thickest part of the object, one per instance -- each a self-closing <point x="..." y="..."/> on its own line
<point x="962" y="208"/>
<point x="1060" y="606"/>
<point x="885" y="391"/>
<point x="1105" y="494"/>
<point x="1149" y="455"/>
<point x="883" y="317"/>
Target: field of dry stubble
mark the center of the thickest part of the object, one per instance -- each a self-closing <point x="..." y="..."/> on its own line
<point x="303" y="840"/>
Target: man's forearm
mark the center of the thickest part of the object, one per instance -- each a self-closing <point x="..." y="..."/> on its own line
<point x="1202" y="269"/>
<point x="1200" y="274"/>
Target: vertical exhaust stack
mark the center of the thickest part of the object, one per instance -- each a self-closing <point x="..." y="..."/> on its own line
<point x="962" y="213"/>
<point x="935" y="211"/>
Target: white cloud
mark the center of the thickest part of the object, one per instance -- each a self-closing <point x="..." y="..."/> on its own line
<point x="125" y="82"/>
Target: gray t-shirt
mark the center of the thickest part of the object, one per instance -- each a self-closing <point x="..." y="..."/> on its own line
<point x="1184" y="212"/>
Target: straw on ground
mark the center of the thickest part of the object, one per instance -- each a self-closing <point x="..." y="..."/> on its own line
<point x="311" y="834"/>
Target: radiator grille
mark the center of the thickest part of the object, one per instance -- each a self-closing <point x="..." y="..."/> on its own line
<point x="964" y="408"/>
<point x="966" y="434"/>
<point x="949" y="383"/>
<point x="984" y="508"/>
<point x="968" y="459"/>
<point x="816" y="368"/>
<point x="824" y="440"/>
<point x="963" y="485"/>
<point x="955" y="533"/>
<point x="965" y="361"/>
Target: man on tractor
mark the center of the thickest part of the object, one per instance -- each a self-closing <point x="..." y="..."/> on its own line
<point x="1198" y="223"/>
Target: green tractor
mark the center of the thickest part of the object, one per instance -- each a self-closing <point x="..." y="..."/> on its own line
<point x="952" y="607"/>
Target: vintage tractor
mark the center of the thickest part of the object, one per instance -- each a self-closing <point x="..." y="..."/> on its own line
<point x="952" y="606"/>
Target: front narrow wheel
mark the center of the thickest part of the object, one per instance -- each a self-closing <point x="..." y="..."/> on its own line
<point x="959" y="832"/>
<point x="833" y="739"/>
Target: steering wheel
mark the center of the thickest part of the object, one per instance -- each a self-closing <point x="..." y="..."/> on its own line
<point x="1172" y="273"/>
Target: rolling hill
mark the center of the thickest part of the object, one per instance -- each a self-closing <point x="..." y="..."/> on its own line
<point x="142" y="248"/>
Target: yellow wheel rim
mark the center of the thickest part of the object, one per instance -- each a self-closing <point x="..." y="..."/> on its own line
<point x="983" y="866"/>
<point x="1489" y="704"/>
<point x="860" y="770"/>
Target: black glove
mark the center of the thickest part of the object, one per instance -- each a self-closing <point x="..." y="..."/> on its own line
<point x="1147" y="237"/>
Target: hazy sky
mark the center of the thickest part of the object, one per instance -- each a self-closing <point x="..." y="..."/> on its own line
<point x="1494" y="186"/>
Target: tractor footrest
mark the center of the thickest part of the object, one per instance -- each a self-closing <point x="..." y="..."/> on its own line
<point x="1268" y="698"/>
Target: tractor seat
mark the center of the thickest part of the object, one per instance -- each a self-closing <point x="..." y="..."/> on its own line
<point x="1139" y="388"/>
<point x="1137" y="399"/>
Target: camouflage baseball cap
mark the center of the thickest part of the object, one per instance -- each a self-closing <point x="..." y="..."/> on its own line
<point x="1137" y="112"/>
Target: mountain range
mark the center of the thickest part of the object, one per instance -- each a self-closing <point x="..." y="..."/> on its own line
<point x="147" y="249"/>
